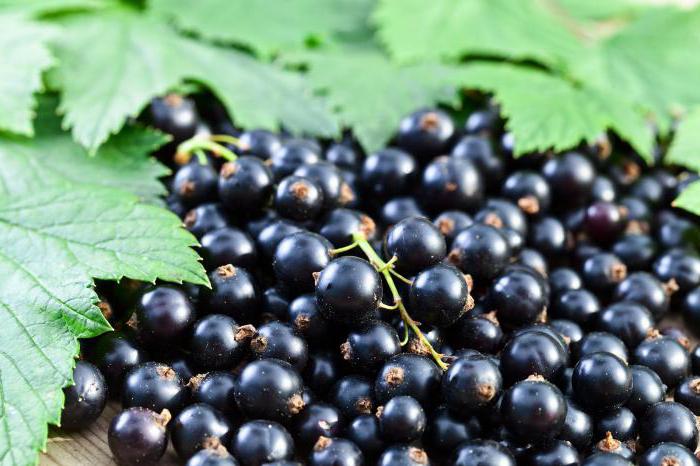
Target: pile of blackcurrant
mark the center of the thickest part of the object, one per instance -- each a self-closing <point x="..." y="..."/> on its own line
<point x="439" y="301"/>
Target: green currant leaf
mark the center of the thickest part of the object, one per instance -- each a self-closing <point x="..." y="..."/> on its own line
<point x="371" y="94"/>
<point x="415" y="29"/>
<point x="25" y="55"/>
<point x="685" y="147"/>
<point x="559" y="115"/>
<point x="689" y="199"/>
<point x="264" y="26"/>
<point x="65" y="219"/>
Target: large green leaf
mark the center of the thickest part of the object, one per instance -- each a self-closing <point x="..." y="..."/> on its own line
<point x="25" y="55"/>
<point x="135" y="57"/>
<point x="66" y="219"/>
<point x="415" y="29"/>
<point x="371" y="93"/>
<point x="685" y="148"/>
<point x="266" y="26"/>
<point x="558" y="115"/>
<point x="689" y="199"/>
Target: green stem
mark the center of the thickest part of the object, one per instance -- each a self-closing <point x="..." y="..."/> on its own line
<point x="344" y="249"/>
<point x="385" y="270"/>
<point x="196" y="143"/>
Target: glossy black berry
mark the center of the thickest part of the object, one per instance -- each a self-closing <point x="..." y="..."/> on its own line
<point x="269" y="389"/>
<point x="548" y="236"/>
<point x="529" y="191"/>
<point x="217" y="389"/>
<point x="439" y="295"/>
<point x="340" y="224"/>
<point x="269" y="237"/>
<point x="411" y="375"/>
<point x="138" y="436"/>
<point x="304" y="315"/>
<point x="688" y="394"/>
<point x="212" y="456"/>
<point x="416" y="243"/>
<point x="218" y="342"/>
<point x="533" y="352"/>
<point x="603" y="271"/>
<point x="479" y="151"/>
<point x="519" y="297"/>
<point x="502" y="214"/>
<point x="343" y="155"/>
<point x="174" y="115"/>
<point x="245" y="186"/>
<point x="665" y="356"/>
<point x="606" y="459"/>
<point x="85" y="399"/>
<point x="293" y="154"/>
<point x="228" y="246"/>
<point x="280" y="341"/>
<point x="164" y="315"/>
<point x="336" y="192"/>
<point x="353" y="395"/>
<point x="568" y="329"/>
<point x="629" y="321"/>
<point x="260" y="442"/>
<point x="681" y="266"/>
<point x="564" y="279"/>
<point x="482" y="333"/>
<point x="335" y="452"/>
<point x="154" y="386"/>
<point x="317" y="420"/>
<point x="533" y="410"/>
<point x="369" y="346"/>
<point x="570" y="177"/>
<point x="601" y="382"/>
<point x="471" y="385"/>
<point x="298" y="198"/>
<point x="233" y="292"/>
<point x="402" y="420"/>
<point x="388" y="173"/>
<point x="482" y="452"/>
<point x="609" y="444"/>
<point x="668" y="453"/>
<point x="296" y="259"/>
<point x="115" y="354"/>
<point x="399" y="208"/>
<point x="482" y="121"/>
<point x="198" y="426"/>
<point x="647" y="389"/>
<point x="195" y="183"/>
<point x="605" y="221"/>
<point x="621" y="423"/>
<point x="450" y="183"/>
<point x="595" y="342"/>
<point x="668" y="421"/>
<point x="636" y="251"/>
<point x="691" y="309"/>
<point x="348" y="291"/>
<point x="578" y="427"/>
<point x="258" y="142"/>
<point x="425" y="133"/>
<point x="364" y="431"/>
<point x="205" y="218"/>
<point x="451" y="222"/>
<point x="481" y="251"/>
<point x="556" y="453"/>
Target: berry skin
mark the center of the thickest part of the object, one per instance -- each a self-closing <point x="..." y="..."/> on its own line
<point x="548" y="236"/>
<point x="138" y="436"/>
<point x="502" y="214"/>
<point x="569" y="330"/>
<point x="304" y="315"/>
<point x="482" y="121"/>
<point x="570" y="177"/>
<point x="298" y="198"/>
<point x="647" y="389"/>
<point x="364" y="431"/>
<point x="416" y="243"/>
<point x="343" y="156"/>
<point x="534" y="261"/>
<point x="217" y="456"/>
<point x="595" y="342"/>
<point x="218" y="342"/>
<point x="557" y="453"/>
<point x="482" y="333"/>
<point x="688" y="394"/>
<point x="228" y="246"/>
<point x="115" y="354"/>
<point x="335" y="452"/>
<point x="318" y="419"/>
<point x="233" y="292"/>
<point x="340" y="224"/>
<point x="479" y="151"/>
<point x="621" y="423"/>
<point x="578" y="427"/>
<point x="446" y="431"/>
<point x="480" y="251"/>
<point x="271" y="236"/>
<point x="293" y="154"/>
<point x="296" y="259"/>
<point x="280" y="341"/>
<point x="636" y="251"/>
<point x="668" y="421"/>
<point x="425" y="133"/>
<point x="402" y="420"/>
<point x="336" y="192"/>
<point x="322" y="370"/>
<point x="216" y="389"/>
<point x="245" y="186"/>
<point x="205" y="218"/>
<point x="408" y="374"/>
<point x="353" y="395"/>
<point x="604" y="221"/>
<point x="269" y="389"/>
<point x="451" y="222"/>
<point x="529" y="191"/>
<point x="602" y="272"/>
<point x="533" y="410"/>
<point x="665" y="356"/>
<point x="348" y="291"/>
<point x="450" y="183"/>
<point x="680" y="265"/>
<point x="164" y="315"/>
<point x="629" y="321"/>
<point x="603" y="189"/>
<point x="668" y="454"/>
<point x="691" y="309"/>
<point x="439" y="295"/>
<point x="519" y="297"/>
<point x="482" y="452"/>
<point x="154" y="386"/>
<point x="174" y="115"/>
<point x="647" y="290"/>
<point x="398" y="209"/>
<point x="606" y="459"/>
<point x="580" y="306"/>
<point x="609" y="444"/>
<point x="195" y="183"/>
<point x="533" y="352"/>
<point x="261" y="442"/>
<point x="471" y="385"/>
<point x="388" y="173"/>
<point x="198" y="426"/>
<point x="85" y="399"/>
<point x="368" y="347"/>
<point x="601" y="382"/>
<point x="258" y="142"/>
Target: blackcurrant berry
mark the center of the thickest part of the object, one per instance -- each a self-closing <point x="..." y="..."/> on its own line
<point x="605" y="221"/>
<point x="205" y="218"/>
<point x="298" y="198"/>
<point x="217" y="389"/>
<point x="218" y="342"/>
<point x="451" y="183"/>
<point x="353" y="395"/>
<point x="280" y="341"/>
<point x="154" y="386"/>
<point x="637" y="251"/>
<point x="482" y="333"/>
<point x="175" y="115"/>
<point x="269" y="389"/>
<point x="115" y="354"/>
<point x="233" y="292"/>
<point x="245" y="186"/>
<point x="364" y="431"/>
<point x="471" y="385"/>
<point x="595" y="342"/>
<point x="425" y="133"/>
<point x="270" y="236"/>
<point x="258" y="142"/>
<point x="261" y="442"/>
<point x="533" y="352"/>
<point x="665" y="356"/>
<point x="85" y="399"/>
<point x="529" y="190"/>
<point x="293" y="154"/>
<point x="138" y="436"/>
<point x="304" y="315"/>
<point x="479" y="151"/>
<point x="578" y="427"/>
<point x="388" y="173"/>
<point x="340" y="224"/>
<point x="416" y="243"/>
<point x="681" y="266"/>
<point x="548" y="235"/>
<point x="647" y="389"/>
<point x="570" y="177"/>
<point x="199" y="426"/>
<point x="336" y="192"/>
<point x="228" y="246"/>
<point x="480" y="251"/>
<point x="369" y="346"/>
<point x="601" y="382"/>
<point x="668" y="421"/>
<point x="621" y="423"/>
<point x="556" y="453"/>
<point x="296" y="259"/>
<point x="399" y="208"/>
<point x="402" y="420"/>
<point x="164" y="315"/>
<point x="668" y="453"/>
<point x="343" y="155"/>
<point x="411" y="375"/>
<point x="317" y="420"/>
<point x="451" y="222"/>
<point x="629" y="321"/>
<point x="335" y="452"/>
<point x="519" y="297"/>
<point x="482" y="452"/>
<point x="602" y="272"/>
<point x="195" y="183"/>
<point x="439" y="295"/>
